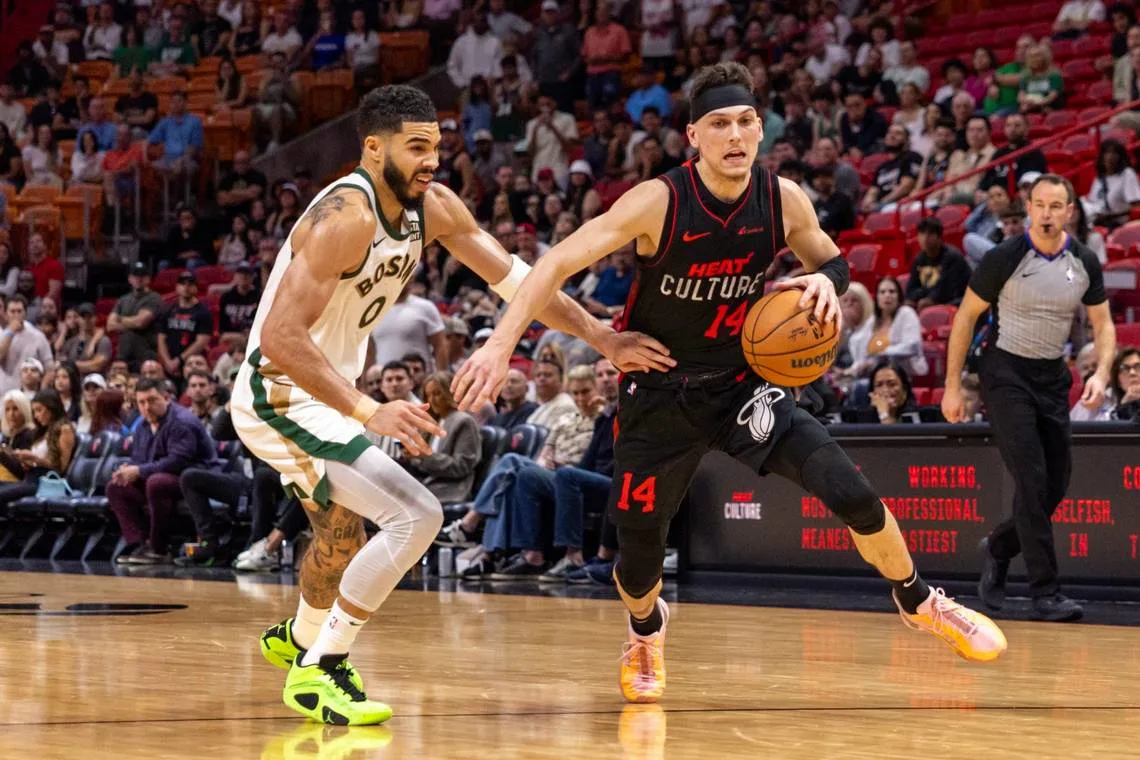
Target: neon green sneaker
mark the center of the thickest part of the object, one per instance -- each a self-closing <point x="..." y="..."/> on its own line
<point x="324" y="692"/>
<point x="307" y="741"/>
<point x="279" y="650"/>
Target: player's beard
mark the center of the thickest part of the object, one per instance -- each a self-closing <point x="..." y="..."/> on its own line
<point x="399" y="185"/>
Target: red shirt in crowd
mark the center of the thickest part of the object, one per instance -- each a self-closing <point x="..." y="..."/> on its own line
<point x="610" y="42"/>
<point x="47" y="270"/>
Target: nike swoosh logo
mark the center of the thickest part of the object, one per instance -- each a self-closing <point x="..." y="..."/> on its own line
<point x="688" y="238"/>
<point x="749" y="230"/>
<point x="1028" y="274"/>
<point x="376" y="243"/>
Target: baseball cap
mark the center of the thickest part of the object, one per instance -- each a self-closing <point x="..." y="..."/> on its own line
<point x="456" y="326"/>
<point x="483" y="134"/>
<point x="582" y="167"/>
<point x="526" y="227"/>
<point x="546" y="173"/>
<point x="86" y="309"/>
<point x="140" y="269"/>
<point x="483" y="333"/>
<point x="95" y="379"/>
<point x="187" y="277"/>
<point x="244" y="267"/>
<point x="448" y="124"/>
<point x="550" y="5"/>
<point x="291" y="187"/>
<point x="1028" y="178"/>
<point x="34" y="363"/>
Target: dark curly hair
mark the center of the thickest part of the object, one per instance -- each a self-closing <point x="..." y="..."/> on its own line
<point x="385" y="109"/>
<point x="717" y="75"/>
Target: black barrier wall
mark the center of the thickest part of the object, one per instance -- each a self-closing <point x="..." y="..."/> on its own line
<point x="945" y="484"/>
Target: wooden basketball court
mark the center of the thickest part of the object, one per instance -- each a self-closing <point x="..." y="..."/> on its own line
<point x="474" y="675"/>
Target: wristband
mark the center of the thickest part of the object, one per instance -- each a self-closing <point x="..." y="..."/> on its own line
<point x="837" y="270"/>
<point x="509" y="285"/>
<point x="364" y="409"/>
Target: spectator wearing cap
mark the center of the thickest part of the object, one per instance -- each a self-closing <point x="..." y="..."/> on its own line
<point x="90" y="348"/>
<point x="31" y="376"/>
<point x="47" y="270"/>
<point x="550" y="137"/>
<point x="186" y="327"/>
<point x="182" y="137"/>
<point x="939" y="274"/>
<point x="835" y="210"/>
<point x="188" y="245"/>
<point x="135" y="317"/>
<point x="278" y="99"/>
<point x="606" y="48"/>
<point x="581" y="198"/>
<point x="648" y="92"/>
<point x="238" y="306"/>
<point x="477" y="52"/>
<point x="527" y="245"/>
<point x="93" y="385"/>
<point x="240" y="186"/>
<point x="485" y="162"/>
<point x="455" y="168"/>
<point x="458" y="336"/>
<point x="288" y="211"/>
<point x="19" y="342"/>
<point x="412" y="325"/>
<point x="557" y="56"/>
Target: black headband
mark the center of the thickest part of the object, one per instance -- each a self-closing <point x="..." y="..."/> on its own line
<point x="720" y="97"/>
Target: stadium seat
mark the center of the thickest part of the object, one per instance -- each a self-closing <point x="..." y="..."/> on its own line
<point x="164" y="281"/>
<point x="1125" y="237"/>
<point x="861" y="258"/>
<point x="491" y="439"/>
<point x="212" y="275"/>
<point x="526" y="440"/>
<point x="934" y="317"/>
<point x="936" y="395"/>
<point x="1058" y="120"/>
<point x="880" y="220"/>
<point x="1128" y="334"/>
<point x="953" y="214"/>
<point x="921" y="396"/>
<point x="1078" y="70"/>
<point x="1079" y="143"/>
<point x="1100" y="92"/>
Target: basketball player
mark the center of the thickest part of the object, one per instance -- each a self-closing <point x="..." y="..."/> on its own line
<point x="706" y="232"/>
<point x="295" y="405"/>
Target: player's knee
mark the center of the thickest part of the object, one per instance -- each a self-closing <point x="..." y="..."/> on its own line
<point x="641" y="561"/>
<point x="831" y="475"/>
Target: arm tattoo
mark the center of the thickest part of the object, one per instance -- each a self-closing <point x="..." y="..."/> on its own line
<point x="332" y="203"/>
<point x="338" y="535"/>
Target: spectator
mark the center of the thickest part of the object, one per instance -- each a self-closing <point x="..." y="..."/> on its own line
<point x="28" y="76"/>
<point x="230" y="87"/>
<point x="277" y="102"/>
<point x="412" y="325"/>
<point x="102" y="38"/>
<point x="325" y="49"/>
<point x="198" y="393"/>
<point x="908" y="70"/>
<point x="1123" y="18"/>
<point x="835" y="211"/>
<point x="606" y="48"/>
<point x="1126" y="77"/>
<point x="614" y="283"/>
<point x="189" y="244"/>
<point x="648" y="92"/>
<point x="17" y="426"/>
<point x="978" y="84"/>
<point x="396" y="383"/>
<point x="856" y="307"/>
<point x="936" y="167"/>
<point x="170" y="440"/>
<point x="240" y="187"/>
<point x="939" y="273"/>
<point x="246" y="39"/>
<point x="1042" y="88"/>
<point x="12" y="113"/>
<point x="236" y="248"/>
<point x="486" y="161"/>
<point x="1123" y="393"/>
<point x="449" y="470"/>
<point x="51" y="449"/>
<point x="1075" y="16"/>
<point x="90" y="348"/>
<point x="231" y="11"/>
<point x="39" y="162"/>
<point x="895" y="179"/>
<point x="238" y="306"/>
<point x="47" y="111"/>
<point x="455" y="168"/>
<point x="175" y="54"/>
<point x="526" y="242"/>
<point x="120" y="167"/>
<point x="282" y="37"/>
<point x="362" y="51"/>
<point x="19" y="342"/>
<point x="894" y="333"/>
<point x="865" y="77"/>
<point x="74" y="110"/>
<point x="847" y="180"/>
<point x="211" y="34"/>
<point x="861" y="129"/>
<point x="87" y="161"/>
<point x="550" y="136"/>
<point x="505" y="24"/>
<point x="47" y="270"/>
<point x="954" y="78"/>
<point x="372" y="383"/>
<point x="659" y="23"/>
<point x="187" y="327"/>
<point x="882" y="39"/>
<point x="135" y="316"/>
<point x="458" y="336"/>
<point x="513" y="408"/>
<point x="31" y="376"/>
<point x="138" y="109"/>
<point x="984" y="224"/>
<point x="1078" y="227"/>
<point x="912" y="115"/>
<point x="1017" y="137"/>
<point x="581" y="197"/>
<point x="1116" y="191"/>
<point x="67" y="384"/>
<point x="51" y="52"/>
<point x="553" y="402"/>
<point x="891" y="394"/>
<point x="93" y="385"/>
<point x="534" y="486"/>
<point x="181" y="135"/>
<point x="132" y="53"/>
<point x="440" y="18"/>
<point x="961" y="110"/>
<point x="979" y="152"/>
<point x="477" y="52"/>
<point x="9" y="271"/>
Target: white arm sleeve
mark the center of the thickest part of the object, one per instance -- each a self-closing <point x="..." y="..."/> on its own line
<point x="509" y="285"/>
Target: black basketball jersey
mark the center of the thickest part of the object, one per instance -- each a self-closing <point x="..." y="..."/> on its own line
<point x="694" y="293"/>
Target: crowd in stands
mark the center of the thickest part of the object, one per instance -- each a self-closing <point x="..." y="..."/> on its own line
<point x="563" y="107"/>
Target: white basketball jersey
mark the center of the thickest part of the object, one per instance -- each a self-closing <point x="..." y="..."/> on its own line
<point x="361" y="297"/>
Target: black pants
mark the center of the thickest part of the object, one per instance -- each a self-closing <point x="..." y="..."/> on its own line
<point x="1027" y="401"/>
<point x="199" y="485"/>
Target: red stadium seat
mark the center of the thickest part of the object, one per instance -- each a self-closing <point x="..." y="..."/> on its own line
<point x="934" y="317"/>
<point x="921" y="396"/>
<point x="1128" y="335"/>
<point x="165" y="280"/>
<point x="861" y="258"/>
<point x="212" y="275"/>
<point x="1059" y="120"/>
<point x="1125" y="236"/>
<point x="936" y="395"/>
<point x="953" y="215"/>
<point x="1091" y="46"/>
<point x="1093" y="112"/>
<point x="1063" y="50"/>
<point x="1125" y="301"/>
<point x="1100" y="92"/>
<point x="1079" y="70"/>
<point x="880" y="220"/>
<point x="1078" y="144"/>
<point x="870" y="165"/>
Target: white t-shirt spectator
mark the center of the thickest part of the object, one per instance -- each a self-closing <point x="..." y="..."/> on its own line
<point x="28" y="343"/>
<point x="1082" y="10"/>
<point x="407" y="328"/>
<point x="700" y="12"/>
<point x="658" y="25"/>
<point x="552" y="411"/>
<point x="362" y="49"/>
<point x="1113" y="194"/>
<point x="505" y="24"/>
<point x="58" y="52"/>
<point x="99" y="42"/>
<point x="287" y="43"/>
<point x="14" y="116"/>
<point x="230" y="10"/>
<point x="548" y="150"/>
<point x="917" y="75"/>
<point x="822" y="70"/>
<point x="889" y="49"/>
<point x="474" y="55"/>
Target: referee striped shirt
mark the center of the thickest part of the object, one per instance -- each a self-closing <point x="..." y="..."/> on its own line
<point x="1035" y="295"/>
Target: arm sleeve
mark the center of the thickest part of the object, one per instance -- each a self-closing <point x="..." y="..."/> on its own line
<point x="1095" y="294"/>
<point x="995" y="268"/>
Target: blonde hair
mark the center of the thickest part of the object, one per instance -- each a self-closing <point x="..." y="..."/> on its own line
<point x="860" y="292"/>
<point x="22" y="403"/>
<point x="582" y="372"/>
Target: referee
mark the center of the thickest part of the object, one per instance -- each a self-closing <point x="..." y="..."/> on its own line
<point x="1035" y="283"/>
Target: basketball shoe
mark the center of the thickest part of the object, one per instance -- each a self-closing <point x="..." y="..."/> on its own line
<point x="279" y="650"/>
<point x="325" y="693"/>
<point x="643" y="662"/>
<point x="972" y="635"/>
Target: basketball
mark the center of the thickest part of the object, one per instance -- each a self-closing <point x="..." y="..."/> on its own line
<point x="784" y="343"/>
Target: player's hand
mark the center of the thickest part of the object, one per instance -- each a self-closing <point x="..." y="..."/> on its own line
<point x="818" y="288"/>
<point x="482" y="376"/>
<point x="636" y="352"/>
<point x="953" y="405"/>
<point x="1093" y="395"/>
<point x="405" y="422"/>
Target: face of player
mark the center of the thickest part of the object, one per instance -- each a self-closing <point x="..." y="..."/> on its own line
<point x="410" y="158"/>
<point x="728" y="139"/>
<point x="396" y="385"/>
<point x="1049" y="210"/>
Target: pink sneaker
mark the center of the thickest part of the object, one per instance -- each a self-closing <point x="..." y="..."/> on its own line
<point x="972" y="635"/>
<point x="643" y="663"/>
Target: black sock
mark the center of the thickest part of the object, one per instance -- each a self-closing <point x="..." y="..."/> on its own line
<point x="911" y="592"/>
<point x="650" y="625"/>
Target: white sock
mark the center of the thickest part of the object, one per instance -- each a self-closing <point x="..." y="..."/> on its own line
<point x="307" y="624"/>
<point x="337" y="634"/>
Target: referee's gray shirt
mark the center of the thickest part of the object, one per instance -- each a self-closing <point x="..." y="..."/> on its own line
<point x="1035" y="296"/>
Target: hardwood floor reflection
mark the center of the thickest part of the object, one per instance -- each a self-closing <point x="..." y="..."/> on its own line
<point x="478" y="676"/>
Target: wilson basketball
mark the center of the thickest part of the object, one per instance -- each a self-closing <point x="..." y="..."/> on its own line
<point x="784" y="343"/>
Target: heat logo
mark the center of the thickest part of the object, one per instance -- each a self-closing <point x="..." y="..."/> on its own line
<point x="757" y="412"/>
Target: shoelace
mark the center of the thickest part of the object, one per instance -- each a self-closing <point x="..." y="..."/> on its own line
<point x="342" y="677"/>
<point x="644" y="652"/>
<point x="946" y="611"/>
